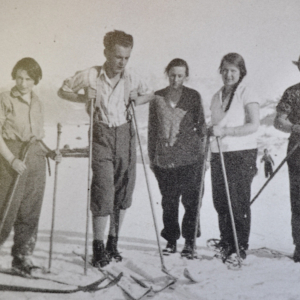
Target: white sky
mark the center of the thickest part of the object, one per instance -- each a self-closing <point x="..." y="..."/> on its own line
<point x="66" y="35"/>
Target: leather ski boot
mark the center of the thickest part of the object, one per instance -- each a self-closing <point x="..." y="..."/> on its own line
<point x="112" y="248"/>
<point x="187" y="250"/>
<point x="296" y="256"/>
<point x="170" y="248"/>
<point x="22" y="264"/>
<point x="100" y="256"/>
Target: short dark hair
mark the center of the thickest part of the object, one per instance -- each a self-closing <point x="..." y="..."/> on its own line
<point x="117" y="37"/>
<point x="29" y="65"/>
<point x="237" y="60"/>
<point x="177" y="62"/>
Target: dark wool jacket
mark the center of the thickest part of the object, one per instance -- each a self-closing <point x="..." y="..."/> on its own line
<point x="290" y="104"/>
<point x="175" y="135"/>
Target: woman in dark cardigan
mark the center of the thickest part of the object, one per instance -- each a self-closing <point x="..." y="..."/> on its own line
<point x="175" y="148"/>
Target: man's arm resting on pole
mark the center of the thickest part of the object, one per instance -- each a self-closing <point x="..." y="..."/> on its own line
<point x="140" y="99"/>
<point x="73" y="85"/>
<point x="71" y="96"/>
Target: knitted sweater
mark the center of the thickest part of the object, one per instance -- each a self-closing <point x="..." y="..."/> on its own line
<point x="175" y="134"/>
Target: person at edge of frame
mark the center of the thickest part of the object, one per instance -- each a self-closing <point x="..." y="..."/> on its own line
<point x="175" y="146"/>
<point x="288" y="120"/>
<point x="114" y="151"/>
<point x="22" y="122"/>
<point x="235" y="119"/>
<point x="268" y="162"/>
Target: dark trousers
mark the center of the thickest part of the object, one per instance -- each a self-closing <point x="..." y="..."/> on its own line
<point x="240" y="170"/>
<point x="268" y="169"/>
<point x="174" y="183"/>
<point x="294" y="176"/>
<point x="24" y="212"/>
<point x="114" y="168"/>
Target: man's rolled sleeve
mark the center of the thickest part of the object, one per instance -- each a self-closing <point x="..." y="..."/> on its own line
<point x="140" y="83"/>
<point x="79" y="81"/>
<point x="3" y="111"/>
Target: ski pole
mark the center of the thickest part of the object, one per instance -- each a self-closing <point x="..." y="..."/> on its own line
<point x="92" y="100"/>
<point x="229" y="202"/>
<point x="206" y="149"/>
<point x="13" y="191"/>
<point x="274" y="173"/>
<point x="164" y="269"/>
<point x="54" y="197"/>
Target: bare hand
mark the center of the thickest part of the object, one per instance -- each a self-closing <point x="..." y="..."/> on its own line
<point x="152" y="167"/>
<point x="18" y="166"/>
<point x="133" y="95"/>
<point x="207" y="165"/>
<point x="55" y="155"/>
<point x="58" y="157"/>
<point x="217" y="131"/>
<point x="91" y="93"/>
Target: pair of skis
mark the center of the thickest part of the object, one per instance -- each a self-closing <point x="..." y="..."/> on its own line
<point x="93" y="287"/>
<point x="134" y="283"/>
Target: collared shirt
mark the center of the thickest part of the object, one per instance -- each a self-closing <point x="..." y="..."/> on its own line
<point x="111" y="102"/>
<point x="20" y="120"/>
<point x="234" y="117"/>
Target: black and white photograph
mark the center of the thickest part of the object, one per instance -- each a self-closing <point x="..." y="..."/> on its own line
<point x="149" y="150"/>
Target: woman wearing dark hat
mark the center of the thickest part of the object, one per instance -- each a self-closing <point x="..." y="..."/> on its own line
<point x="21" y="122"/>
<point x="288" y="120"/>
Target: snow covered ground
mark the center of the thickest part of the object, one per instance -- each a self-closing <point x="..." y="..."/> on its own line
<point x="262" y="276"/>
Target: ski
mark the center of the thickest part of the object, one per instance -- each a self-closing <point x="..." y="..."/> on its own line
<point x="14" y="272"/>
<point x="143" y="279"/>
<point x="188" y="275"/>
<point x="93" y="287"/>
<point x="272" y="252"/>
<point x="125" y="284"/>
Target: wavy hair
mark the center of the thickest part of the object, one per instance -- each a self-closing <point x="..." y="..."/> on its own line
<point x="29" y="65"/>
<point x="117" y="37"/>
<point x="238" y="61"/>
<point x="177" y="62"/>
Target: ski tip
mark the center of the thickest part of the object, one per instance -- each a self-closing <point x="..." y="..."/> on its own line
<point x="187" y="274"/>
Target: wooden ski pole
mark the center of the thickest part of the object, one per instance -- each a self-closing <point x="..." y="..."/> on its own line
<point x="54" y="196"/>
<point x="274" y="173"/>
<point x="229" y="202"/>
<point x="206" y="149"/>
<point x="92" y="100"/>
<point x="13" y="191"/>
<point x="164" y="269"/>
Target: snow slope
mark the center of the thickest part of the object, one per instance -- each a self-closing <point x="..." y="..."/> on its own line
<point x="262" y="276"/>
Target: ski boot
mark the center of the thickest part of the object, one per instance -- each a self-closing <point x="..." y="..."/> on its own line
<point x="296" y="256"/>
<point x="23" y="265"/>
<point x="243" y="253"/>
<point x="170" y="248"/>
<point x="112" y="249"/>
<point x="187" y="250"/>
<point x="100" y="256"/>
<point x="226" y="250"/>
